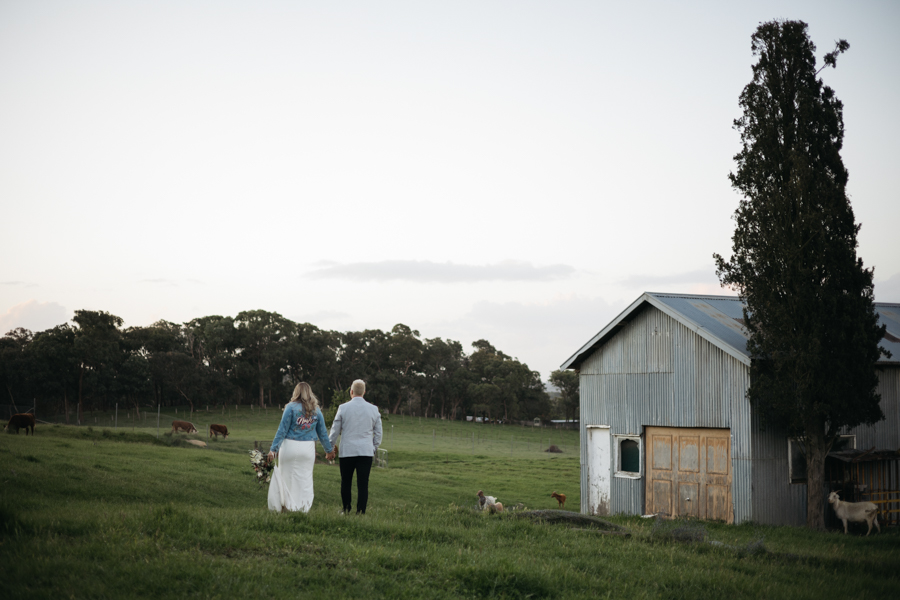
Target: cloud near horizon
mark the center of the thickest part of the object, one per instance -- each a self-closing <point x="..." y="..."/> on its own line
<point x="34" y="316"/>
<point x="424" y="271"/>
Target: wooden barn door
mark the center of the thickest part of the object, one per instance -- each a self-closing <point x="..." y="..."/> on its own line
<point x="689" y="472"/>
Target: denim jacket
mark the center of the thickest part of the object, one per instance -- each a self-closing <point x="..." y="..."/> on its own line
<point x="295" y="425"/>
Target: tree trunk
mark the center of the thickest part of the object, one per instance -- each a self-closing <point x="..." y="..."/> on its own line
<point x="80" y="397"/>
<point x="428" y="406"/>
<point x="816" y="449"/>
<point x="186" y="398"/>
<point x="397" y="405"/>
<point x="66" y="405"/>
<point x="262" y="396"/>
<point x="11" y="399"/>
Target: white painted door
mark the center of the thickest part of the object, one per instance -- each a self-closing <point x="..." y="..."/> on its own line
<point x="599" y="469"/>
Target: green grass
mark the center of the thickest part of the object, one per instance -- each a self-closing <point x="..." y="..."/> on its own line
<point x="95" y="513"/>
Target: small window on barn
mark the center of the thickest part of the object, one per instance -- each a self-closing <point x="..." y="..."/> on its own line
<point x="796" y="461"/>
<point x="628" y="456"/>
<point x="844" y="442"/>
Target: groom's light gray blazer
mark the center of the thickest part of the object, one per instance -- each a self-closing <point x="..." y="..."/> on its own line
<point x="359" y="425"/>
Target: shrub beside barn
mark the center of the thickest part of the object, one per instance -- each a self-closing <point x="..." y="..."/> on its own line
<point x="666" y="426"/>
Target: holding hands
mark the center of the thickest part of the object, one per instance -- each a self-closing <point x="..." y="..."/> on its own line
<point x="330" y="455"/>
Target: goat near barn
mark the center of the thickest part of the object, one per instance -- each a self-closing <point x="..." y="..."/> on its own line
<point x="858" y="512"/>
<point x="560" y="498"/>
<point x="485" y="502"/>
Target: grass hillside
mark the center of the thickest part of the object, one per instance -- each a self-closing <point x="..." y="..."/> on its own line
<point x="98" y="512"/>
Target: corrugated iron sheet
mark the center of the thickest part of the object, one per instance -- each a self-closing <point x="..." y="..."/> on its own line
<point x="680" y="361"/>
<point x="720" y="320"/>
<point x="668" y="377"/>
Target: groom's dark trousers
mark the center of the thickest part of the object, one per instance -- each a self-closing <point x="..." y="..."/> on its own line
<point x="363" y="466"/>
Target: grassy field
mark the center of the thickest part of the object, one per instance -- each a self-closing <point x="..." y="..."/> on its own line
<point x="98" y="512"/>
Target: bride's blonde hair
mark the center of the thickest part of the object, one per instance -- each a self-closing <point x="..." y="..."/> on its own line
<point x="304" y="395"/>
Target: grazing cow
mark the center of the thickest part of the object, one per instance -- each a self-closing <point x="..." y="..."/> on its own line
<point x="217" y="429"/>
<point x="20" y="421"/>
<point x="560" y="498"/>
<point x="183" y="426"/>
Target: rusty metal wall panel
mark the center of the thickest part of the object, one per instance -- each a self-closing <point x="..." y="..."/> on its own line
<point x="657" y="372"/>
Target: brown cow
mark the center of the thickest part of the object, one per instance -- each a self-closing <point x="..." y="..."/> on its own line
<point x="21" y="420"/>
<point x="217" y="429"/>
<point x="183" y="426"/>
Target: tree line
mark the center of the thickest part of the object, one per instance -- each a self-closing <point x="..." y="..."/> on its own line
<point x="257" y="357"/>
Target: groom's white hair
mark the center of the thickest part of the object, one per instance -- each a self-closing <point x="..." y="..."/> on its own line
<point x="358" y="387"/>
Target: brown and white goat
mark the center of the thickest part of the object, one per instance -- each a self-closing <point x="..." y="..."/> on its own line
<point x="560" y="498"/>
<point x="485" y="502"/>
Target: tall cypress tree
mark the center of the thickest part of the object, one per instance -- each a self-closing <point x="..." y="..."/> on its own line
<point x="814" y="334"/>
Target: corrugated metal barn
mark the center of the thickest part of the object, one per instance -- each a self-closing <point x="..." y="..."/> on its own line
<point x="666" y="426"/>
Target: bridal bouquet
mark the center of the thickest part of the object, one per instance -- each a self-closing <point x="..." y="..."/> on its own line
<point x="261" y="466"/>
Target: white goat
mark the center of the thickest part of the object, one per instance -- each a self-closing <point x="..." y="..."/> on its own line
<point x="857" y="512"/>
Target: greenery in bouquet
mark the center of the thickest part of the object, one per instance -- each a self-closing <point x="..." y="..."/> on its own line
<point x="261" y="466"/>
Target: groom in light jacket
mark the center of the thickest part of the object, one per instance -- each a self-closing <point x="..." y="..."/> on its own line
<point x="359" y="425"/>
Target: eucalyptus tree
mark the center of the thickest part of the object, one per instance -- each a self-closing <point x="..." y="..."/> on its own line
<point x="212" y="341"/>
<point x="444" y="375"/>
<point x="567" y="384"/>
<point x="404" y="360"/>
<point x="54" y="366"/>
<point x="14" y="367"/>
<point x="364" y="355"/>
<point x="261" y="338"/>
<point x="813" y="331"/>
<point x="504" y="386"/>
<point x="96" y="344"/>
<point x="311" y="355"/>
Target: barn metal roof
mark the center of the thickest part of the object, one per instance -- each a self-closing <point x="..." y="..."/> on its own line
<point x="720" y="320"/>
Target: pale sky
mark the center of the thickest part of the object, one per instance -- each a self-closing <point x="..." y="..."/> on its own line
<point x="513" y="171"/>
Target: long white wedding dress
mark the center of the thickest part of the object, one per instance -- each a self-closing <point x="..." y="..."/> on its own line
<point x="291" y="487"/>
